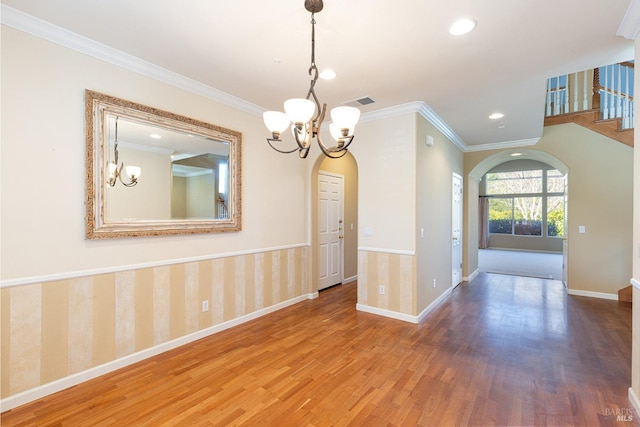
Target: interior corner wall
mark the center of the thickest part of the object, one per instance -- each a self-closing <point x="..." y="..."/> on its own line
<point x="435" y="166"/>
<point x="599" y="198"/>
<point x="385" y="153"/>
<point x="69" y="303"/>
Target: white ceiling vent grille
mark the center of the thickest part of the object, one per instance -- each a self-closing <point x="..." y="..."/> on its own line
<point x="359" y="102"/>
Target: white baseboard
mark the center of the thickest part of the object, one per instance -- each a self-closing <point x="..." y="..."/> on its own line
<point x="472" y="275"/>
<point x="434" y="304"/>
<point x="635" y="402"/>
<point x="387" y="313"/>
<point x="402" y="316"/>
<point x="71" y="380"/>
<point x="635" y="283"/>
<point x="349" y="279"/>
<point x="578" y="292"/>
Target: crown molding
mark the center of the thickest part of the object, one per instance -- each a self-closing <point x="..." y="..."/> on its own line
<point x="47" y="31"/>
<point x="502" y="145"/>
<point x="433" y="118"/>
<point x="630" y="25"/>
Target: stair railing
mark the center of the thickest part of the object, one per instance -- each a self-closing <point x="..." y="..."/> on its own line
<point x="608" y="89"/>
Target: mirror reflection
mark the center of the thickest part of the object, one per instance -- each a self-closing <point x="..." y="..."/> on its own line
<point x="177" y="175"/>
<point x="150" y="172"/>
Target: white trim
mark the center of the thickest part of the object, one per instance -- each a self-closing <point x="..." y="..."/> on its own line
<point x="47" y="31"/>
<point x="602" y="295"/>
<point x="635" y="402"/>
<point x="503" y="145"/>
<point x="425" y="111"/>
<point x="402" y="316"/>
<point x="433" y="118"/>
<point x="388" y="251"/>
<point x="350" y="279"/>
<point x="630" y="25"/>
<point x="635" y="283"/>
<point x="472" y="275"/>
<point x="434" y="304"/>
<point x="75" y="379"/>
<point x="390" y="112"/>
<point x="387" y="313"/>
<point x="106" y="270"/>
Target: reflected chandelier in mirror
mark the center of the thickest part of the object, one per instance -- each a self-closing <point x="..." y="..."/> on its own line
<point x="151" y="172"/>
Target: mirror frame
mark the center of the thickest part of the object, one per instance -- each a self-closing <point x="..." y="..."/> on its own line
<point x="97" y="106"/>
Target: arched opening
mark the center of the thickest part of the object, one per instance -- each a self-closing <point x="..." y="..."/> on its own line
<point x="345" y="168"/>
<point x="516" y="201"/>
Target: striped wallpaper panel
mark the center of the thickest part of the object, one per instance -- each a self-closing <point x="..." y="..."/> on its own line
<point x="396" y="272"/>
<point x="55" y="329"/>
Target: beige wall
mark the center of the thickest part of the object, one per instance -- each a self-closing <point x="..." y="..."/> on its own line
<point x="599" y="197"/>
<point x="149" y="198"/>
<point x="43" y="212"/>
<point x="69" y="304"/>
<point x="385" y="154"/>
<point x="179" y="197"/>
<point x="404" y="186"/>
<point x="435" y="167"/>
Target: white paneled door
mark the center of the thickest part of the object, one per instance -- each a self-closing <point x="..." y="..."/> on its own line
<point x="330" y="229"/>
<point x="456" y="231"/>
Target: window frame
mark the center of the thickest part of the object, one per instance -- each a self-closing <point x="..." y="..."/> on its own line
<point x="544" y="195"/>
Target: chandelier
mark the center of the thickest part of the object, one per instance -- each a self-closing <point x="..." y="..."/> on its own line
<point x="115" y="172"/>
<point x="305" y="116"/>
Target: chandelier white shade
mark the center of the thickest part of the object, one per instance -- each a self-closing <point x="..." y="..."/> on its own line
<point x="305" y="115"/>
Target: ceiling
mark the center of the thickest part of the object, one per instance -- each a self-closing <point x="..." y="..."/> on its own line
<point x="395" y="52"/>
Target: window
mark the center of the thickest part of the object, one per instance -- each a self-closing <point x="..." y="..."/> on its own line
<point x="524" y="201"/>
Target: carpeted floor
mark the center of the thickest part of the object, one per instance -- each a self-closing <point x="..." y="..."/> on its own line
<point x="519" y="263"/>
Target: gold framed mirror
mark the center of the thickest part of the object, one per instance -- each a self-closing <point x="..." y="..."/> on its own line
<point x="151" y="172"/>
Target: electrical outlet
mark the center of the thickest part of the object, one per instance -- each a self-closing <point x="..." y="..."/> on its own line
<point x="205" y="305"/>
<point x="434" y="283"/>
<point x="381" y="290"/>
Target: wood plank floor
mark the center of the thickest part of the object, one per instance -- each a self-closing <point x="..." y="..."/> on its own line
<point x="502" y="350"/>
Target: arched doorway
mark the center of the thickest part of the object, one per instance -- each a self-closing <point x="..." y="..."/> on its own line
<point x="476" y="206"/>
<point x="346" y="168"/>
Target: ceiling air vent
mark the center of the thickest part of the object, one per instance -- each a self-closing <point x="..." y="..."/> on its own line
<point x="359" y="102"/>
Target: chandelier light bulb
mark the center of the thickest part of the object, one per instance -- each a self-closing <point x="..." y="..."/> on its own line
<point x="335" y="132"/>
<point x="133" y="172"/>
<point x="345" y="118"/>
<point x="299" y="110"/>
<point x="276" y="122"/>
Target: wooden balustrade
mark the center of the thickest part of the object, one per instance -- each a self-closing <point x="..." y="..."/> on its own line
<point x="607" y="89"/>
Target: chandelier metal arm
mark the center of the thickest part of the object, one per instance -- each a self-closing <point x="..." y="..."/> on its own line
<point x="131" y="183"/>
<point x="272" y="140"/>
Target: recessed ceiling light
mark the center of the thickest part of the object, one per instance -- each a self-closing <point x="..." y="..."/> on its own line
<point x="516" y="154"/>
<point x="155" y="136"/>
<point x="328" y="74"/>
<point x="496" y="116"/>
<point x="462" y="26"/>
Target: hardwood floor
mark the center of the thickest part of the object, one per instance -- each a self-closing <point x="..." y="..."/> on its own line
<point x="502" y="350"/>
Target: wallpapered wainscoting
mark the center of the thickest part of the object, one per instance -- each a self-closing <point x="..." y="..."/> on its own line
<point x="397" y="273"/>
<point x="55" y="329"/>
